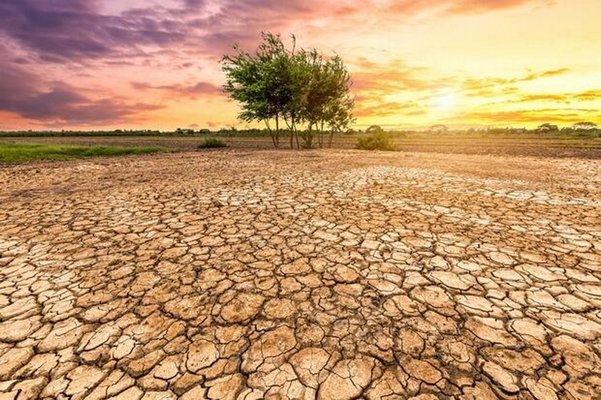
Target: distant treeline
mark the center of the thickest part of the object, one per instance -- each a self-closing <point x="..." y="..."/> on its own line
<point x="64" y="133"/>
<point x="138" y="132"/>
<point x="438" y="130"/>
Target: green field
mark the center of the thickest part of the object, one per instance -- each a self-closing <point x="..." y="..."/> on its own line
<point x="22" y="152"/>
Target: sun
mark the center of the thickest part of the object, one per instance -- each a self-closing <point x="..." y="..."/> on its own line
<point x="445" y="102"/>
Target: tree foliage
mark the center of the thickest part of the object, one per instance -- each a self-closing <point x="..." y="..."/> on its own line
<point x="586" y="125"/>
<point x="546" y="128"/>
<point x="302" y="91"/>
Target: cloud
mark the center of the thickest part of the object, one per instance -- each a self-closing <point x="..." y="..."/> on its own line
<point x="63" y="104"/>
<point x="381" y="108"/>
<point x="402" y="90"/>
<point x="555" y="98"/>
<point x="589" y="95"/>
<point x="62" y="30"/>
<point x="539" y="115"/>
<point x="26" y="94"/>
<point x="477" y="84"/>
<point x="406" y="7"/>
<point x="76" y="30"/>
<point x="195" y="90"/>
<point x="393" y="77"/>
<point x="475" y="6"/>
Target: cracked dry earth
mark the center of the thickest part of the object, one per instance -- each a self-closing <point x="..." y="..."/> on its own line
<point x="284" y="275"/>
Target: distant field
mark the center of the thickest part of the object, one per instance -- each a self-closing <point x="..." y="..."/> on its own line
<point x="21" y="152"/>
<point x="521" y="145"/>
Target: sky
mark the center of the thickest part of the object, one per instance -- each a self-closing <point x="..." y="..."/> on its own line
<point x="154" y="64"/>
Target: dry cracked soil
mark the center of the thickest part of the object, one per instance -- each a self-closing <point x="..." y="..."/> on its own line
<point x="311" y="275"/>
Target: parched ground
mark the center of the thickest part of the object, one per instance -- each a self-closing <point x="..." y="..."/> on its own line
<point x="301" y="275"/>
<point x="536" y="145"/>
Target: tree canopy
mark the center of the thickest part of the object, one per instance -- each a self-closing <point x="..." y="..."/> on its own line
<point x="586" y="125"/>
<point x="301" y="90"/>
<point x="547" y="127"/>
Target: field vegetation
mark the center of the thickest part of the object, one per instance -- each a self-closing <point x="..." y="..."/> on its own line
<point x="505" y="142"/>
<point x="21" y="152"/>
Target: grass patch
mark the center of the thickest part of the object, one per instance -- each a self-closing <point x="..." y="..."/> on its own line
<point x="22" y="152"/>
<point x="211" y="143"/>
<point x="377" y="141"/>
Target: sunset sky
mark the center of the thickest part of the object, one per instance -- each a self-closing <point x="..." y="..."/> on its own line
<point x="103" y="64"/>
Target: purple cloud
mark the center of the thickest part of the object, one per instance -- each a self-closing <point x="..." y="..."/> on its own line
<point x="64" y="30"/>
<point x="200" y="89"/>
<point x="75" y="30"/>
<point x="27" y="95"/>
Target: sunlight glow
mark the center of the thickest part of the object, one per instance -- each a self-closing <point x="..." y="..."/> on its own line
<point x="445" y="103"/>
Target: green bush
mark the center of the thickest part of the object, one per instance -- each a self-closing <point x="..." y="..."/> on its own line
<point x="377" y="141"/>
<point x="211" y="143"/>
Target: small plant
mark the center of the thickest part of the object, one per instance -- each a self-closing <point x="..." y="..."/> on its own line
<point x="211" y="143"/>
<point x="377" y="141"/>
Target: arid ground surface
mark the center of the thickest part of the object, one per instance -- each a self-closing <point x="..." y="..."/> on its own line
<point x="537" y="145"/>
<point x="327" y="274"/>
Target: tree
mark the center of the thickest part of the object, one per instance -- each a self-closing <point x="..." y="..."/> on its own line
<point x="328" y="103"/>
<point x="302" y="88"/>
<point x="547" y="128"/>
<point x="440" y="128"/>
<point x="259" y="82"/>
<point x="584" y="126"/>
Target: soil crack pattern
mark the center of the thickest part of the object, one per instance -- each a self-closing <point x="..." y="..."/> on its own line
<point x="301" y="275"/>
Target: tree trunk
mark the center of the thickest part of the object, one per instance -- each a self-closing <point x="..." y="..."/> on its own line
<point x="277" y="131"/>
<point x="292" y="128"/>
<point x="321" y="136"/>
<point x="309" y="138"/>
<point x="271" y="133"/>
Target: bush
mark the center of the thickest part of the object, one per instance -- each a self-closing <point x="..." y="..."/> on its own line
<point x="212" y="143"/>
<point x="376" y="141"/>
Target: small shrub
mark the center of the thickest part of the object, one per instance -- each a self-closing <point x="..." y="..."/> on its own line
<point x="376" y="141"/>
<point x="211" y="143"/>
<point x="374" y="129"/>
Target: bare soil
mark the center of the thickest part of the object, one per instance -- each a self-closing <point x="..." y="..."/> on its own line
<point x="330" y="274"/>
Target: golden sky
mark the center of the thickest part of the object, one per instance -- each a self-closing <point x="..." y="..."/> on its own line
<point x="104" y="64"/>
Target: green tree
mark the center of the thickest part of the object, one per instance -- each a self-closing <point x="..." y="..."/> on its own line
<point x="260" y="82"/>
<point x="547" y="128"/>
<point x="309" y="92"/>
<point x="328" y="103"/>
